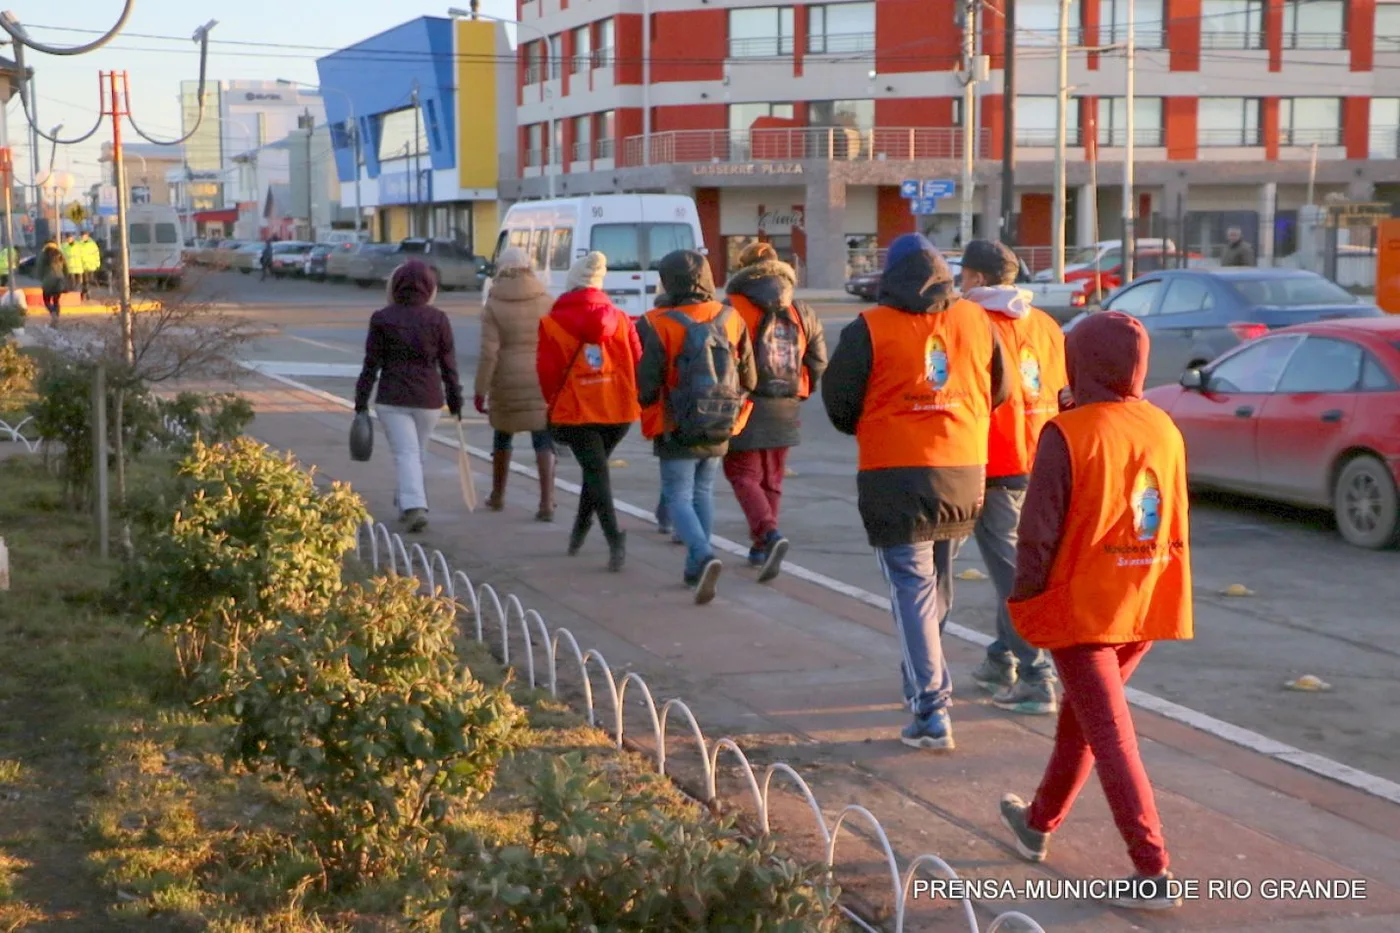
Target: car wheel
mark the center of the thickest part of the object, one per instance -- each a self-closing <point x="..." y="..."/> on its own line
<point x="1366" y="504"/>
<point x="246" y="271"/>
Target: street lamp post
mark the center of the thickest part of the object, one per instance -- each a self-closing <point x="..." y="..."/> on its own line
<point x="354" y="140"/>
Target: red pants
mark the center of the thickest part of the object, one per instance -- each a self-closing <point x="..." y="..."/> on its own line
<point x="1095" y="730"/>
<point x="757" y="478"/>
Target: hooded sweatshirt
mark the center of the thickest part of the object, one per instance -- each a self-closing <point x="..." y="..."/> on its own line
<point x="1003" y="299"/>
<point x="776" y="422"/>
<point x="1106" y="355"/>
<point x="410" y="348"/>
<point x="587" y="315"/>
<point x="686" y="281"/>
<point x="907" y="505"/>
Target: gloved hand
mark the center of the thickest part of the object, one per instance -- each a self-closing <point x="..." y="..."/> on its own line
<point x="480" y="402"/>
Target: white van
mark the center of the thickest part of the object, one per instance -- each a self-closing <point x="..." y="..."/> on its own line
<point x="157" y="252"/>
<point x="633" y="230"/>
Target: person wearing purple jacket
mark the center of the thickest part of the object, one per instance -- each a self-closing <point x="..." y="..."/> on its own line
<point x="410" y="352"/>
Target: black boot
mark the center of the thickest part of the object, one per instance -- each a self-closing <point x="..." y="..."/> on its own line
<point x="617" y="552"/>
<point x="579" y="532"/>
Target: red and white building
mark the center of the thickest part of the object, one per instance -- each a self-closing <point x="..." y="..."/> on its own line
<point x="797" y="122"/>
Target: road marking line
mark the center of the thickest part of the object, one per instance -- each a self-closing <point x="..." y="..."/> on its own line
<point x="304" y="370"/>
<point x="1364" y="781"/>
<point x="337" y="347"/>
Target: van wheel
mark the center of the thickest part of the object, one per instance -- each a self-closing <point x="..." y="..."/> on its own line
<point x="1366" y="504"/>
<point x="246" y="271"/>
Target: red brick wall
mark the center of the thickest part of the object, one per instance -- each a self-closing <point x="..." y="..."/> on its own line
<point x="1361" y="34"/>
<point x="1273" y="32"/>
<point x="689" y="45"/>
<point x="690" y="117"/>
<point x="915" y="35"/>
<point x="1184" y="34"/>
<point x="1033" y="228"/>
<point x="892" y="216"/>
<point x="1269" y="125"/>
<point x="914" y="111"/>
<point x="1356" y="126"/>
<point x="707" y="207"/>
<point x="627" y="32"/>
<point x="1179" y="117"/>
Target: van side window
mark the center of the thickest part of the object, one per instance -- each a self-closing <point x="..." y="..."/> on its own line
<point x="140" y="234"/>
<point x="539" y="250"/>
<point x="560" y="249"/>
<point x="520" y="239"/>
<point x="500" y="246"/>
<point x="620" y="243"/>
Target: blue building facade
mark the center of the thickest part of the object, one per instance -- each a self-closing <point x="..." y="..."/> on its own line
<point x="409" y="158"/>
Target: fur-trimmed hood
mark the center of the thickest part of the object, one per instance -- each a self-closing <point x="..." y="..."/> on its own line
<point x="769" y="284"/>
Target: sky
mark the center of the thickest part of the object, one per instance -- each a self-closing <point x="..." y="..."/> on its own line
<point x="156" y="50"/>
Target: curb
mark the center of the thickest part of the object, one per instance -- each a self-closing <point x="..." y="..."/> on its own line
<point x="90" y="309"/>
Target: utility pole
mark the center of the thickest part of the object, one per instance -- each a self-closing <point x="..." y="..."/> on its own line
<point x="1008" y="128"/>
<point x="1129" y="155"/>
<point x="646" y="84"/>
<point x="119" y="108"/>
<point x="417" y="162"/>
<point x="308" y="123"/>
<point x="1061" y="126"/>
<point x="7" y="177"/>
<point x="969" y="117"/>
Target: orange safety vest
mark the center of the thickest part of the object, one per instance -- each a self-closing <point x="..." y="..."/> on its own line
<point x="928" y="399"/>
<point x="1035" y="347"/>
<point x="656" y="421"/>
<point x="1122" y="573"/>
<point x="600" y="386"/>
<point x="752" y="315"/>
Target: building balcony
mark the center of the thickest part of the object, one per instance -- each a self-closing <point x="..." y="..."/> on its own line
<point x="761" y="47"/>
<point x="796" y="144"/>
<point x="1239" y="137"/>
<point x="849" y="43"/>
<point x="1331" y="136"/>
<point x="1212" y="40"/>
<point x="1385" y="142"/>
<point x="1315" y="41"/>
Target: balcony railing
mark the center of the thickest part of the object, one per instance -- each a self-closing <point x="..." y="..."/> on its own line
<point x="603" y="57"/>
<point x="841" y="43"/>
<point x="581" y="151"/>
<point x="604" y="148"/>
<point x="760" y="47"/>
<point x="533" y="73"/>
<point x="1302" y="136"/>
<point x="1031" y="137"/>
<point x="1149" y="136"/>
<point x="1385" y="142"/>
<point x="1148" y="36"/>
<point x="1315" y="41"/>
<point x="533" y="158"/>
<point x="578" y="63"/>
<point x="1048" y="37"/>
<point x="795" y="144"/>
<point x="1211" y="40"/>
<point x="1235" y="136"/>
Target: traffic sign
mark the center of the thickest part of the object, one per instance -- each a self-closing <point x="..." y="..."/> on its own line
<point x="76" y="213"/>
<point x="909" y="189"/>
<point x="107" y="201"/>
<point x="921" y="206"/>
<point x="938" y="188"/>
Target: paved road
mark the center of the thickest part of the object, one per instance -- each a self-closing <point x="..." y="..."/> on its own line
<point x="1318" y="607"/>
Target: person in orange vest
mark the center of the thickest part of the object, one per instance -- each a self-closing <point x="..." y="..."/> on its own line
<point x="790" y="354"/>
<point x="915" y="379"/>
<point x="694" y="381"/>
<point x="1019" y="676"/>
<point x="587" y="367"/>
<point x="1103" y="569"/>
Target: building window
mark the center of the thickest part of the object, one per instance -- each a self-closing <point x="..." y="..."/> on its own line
<point x="1315" y="24"/>
<point x="1227" y="121"/>
<point x="534" y="145"/>
<point x="840" y="28"/>
<point x="1147" y="23"/>
<point x="560" y="247"/>
<point x="741" y="120"/>
<point x="556" y="57"/>
<point x="1307" y="121"/>
<point x="430" y="120"/>
<point x="760" y="32"/>
<point x="401" y="135"/>
<point x="1388" y="27"/>
<point x="1036" y="120"/>
<point x="1232" y="24"/>
<point x="556" y="143"/>
<point x="534" y="66"/>
<point x="583" y="49"/>
<point x="607" y="129"/>
<point x="856" y="114"/>
<point x="1385" y="127"/>
<point x="1113" y="121"/>
<point x="582" y="138"/>
<point x="603" y="50"/>
<point x="1038" y="22"/>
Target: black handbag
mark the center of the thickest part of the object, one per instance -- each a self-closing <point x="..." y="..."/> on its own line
<point x="361" y="437"/>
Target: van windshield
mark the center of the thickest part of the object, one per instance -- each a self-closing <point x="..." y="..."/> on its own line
<point x="166" y="233"/>
<point x="629" y="246"/>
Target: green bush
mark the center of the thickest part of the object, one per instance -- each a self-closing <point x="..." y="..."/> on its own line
<point x="17" y="372"/>
<point x="602" y="859"/>
<point x="252" y="538"/>
<point x="366" y="708"/>
<point x="216" y="419"/>
<point x="11" y="319"/>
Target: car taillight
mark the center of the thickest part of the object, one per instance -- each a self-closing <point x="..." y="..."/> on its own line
<point x="1078" y="300"/>
<point x="1246" y="331"/>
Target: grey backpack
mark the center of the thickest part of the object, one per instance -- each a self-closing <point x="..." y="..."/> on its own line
<point x="707" y="400"/>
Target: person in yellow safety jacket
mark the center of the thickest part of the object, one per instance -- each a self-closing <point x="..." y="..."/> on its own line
<point x="9" y="261"/>
<point x="71" y="261"/>
<point x="89" y="254"/>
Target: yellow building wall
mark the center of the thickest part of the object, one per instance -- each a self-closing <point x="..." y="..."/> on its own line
<point x="486" y="226"/>
<point x="394" y="223"/>
<point x="477" y="70"/>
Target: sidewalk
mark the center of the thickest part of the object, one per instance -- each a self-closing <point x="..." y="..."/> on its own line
<point x="809" y="676"/>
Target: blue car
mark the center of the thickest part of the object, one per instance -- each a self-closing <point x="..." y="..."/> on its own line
<point x="1194" y="315"/>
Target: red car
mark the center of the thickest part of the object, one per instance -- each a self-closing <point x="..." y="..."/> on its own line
<point x="1308" y="415"/>
<point x="1100" y="284"/>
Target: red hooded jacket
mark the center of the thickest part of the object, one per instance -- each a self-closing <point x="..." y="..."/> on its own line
<point x="588" y="316"/>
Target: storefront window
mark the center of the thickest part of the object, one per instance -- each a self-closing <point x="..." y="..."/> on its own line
<point x="402" y="133"/>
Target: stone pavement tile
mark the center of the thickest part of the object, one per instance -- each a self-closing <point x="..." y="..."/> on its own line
<point x="794" y="660"/>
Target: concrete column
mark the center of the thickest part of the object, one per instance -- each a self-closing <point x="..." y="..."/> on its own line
<point x="989" y="210"/>
<point x="1361" y="190"/>
<point x="1264" y="249"/>
<point x="1087" y="205"/>
<point x="826" y="231"/>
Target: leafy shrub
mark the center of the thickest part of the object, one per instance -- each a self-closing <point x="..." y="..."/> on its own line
<point x="252" y="538"/>
<point x="601" y="858"/>
<point x="365" y="708"/>
<point x="17" y="372"/>
<point x="216" y="418"/>
<point x="11" y="319"/>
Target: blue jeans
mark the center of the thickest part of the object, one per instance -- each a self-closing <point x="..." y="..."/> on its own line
<point x="996" y="539"/>
<point x="920" y="577"/>
<point x="688" y="491"/>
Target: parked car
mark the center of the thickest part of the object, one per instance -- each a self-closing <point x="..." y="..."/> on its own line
<point x="338" y="262"/>
<point x="367" y="262"/>
<point x="314" y="265"/>
<point x="247" y="257"/>
<point x="1104" y="253"/>
<point x="1060" y="300"/>
<point x="1097" y="282"/>
<point x="454" y="266"/>
<point x="1194" y="315"/>
<point x="288" y="256"/>
<point x="1308" y="415"/>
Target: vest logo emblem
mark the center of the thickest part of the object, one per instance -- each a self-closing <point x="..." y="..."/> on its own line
<point x="1147" y="505"/>
<point x="1030" y="372"/>
<point x="936" y="363"/>
<point x="593" y="356"/>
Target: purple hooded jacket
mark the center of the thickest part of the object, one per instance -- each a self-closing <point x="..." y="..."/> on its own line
<point x="410" y="348"/>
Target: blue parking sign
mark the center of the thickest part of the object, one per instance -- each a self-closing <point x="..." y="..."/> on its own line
<point x="938" y="188"/>
<point x="920" y="206"/>
<point x="909" y="189"/>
